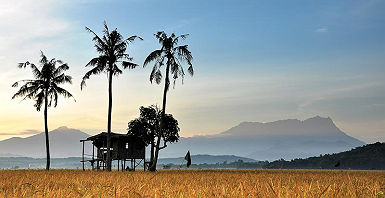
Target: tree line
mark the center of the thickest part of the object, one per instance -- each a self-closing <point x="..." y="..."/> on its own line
<point x="369" y="157"/>
<point x="153" y="125"/>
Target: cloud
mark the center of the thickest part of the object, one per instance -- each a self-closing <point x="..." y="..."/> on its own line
<point x="321" y="30"/>
<point x="27" y="27"/>
<point x="27" y="132"/>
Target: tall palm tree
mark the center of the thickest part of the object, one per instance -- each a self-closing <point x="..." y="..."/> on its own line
<point x="44" y="88"/>
<point x="112" y="50"/>
<point x="173" y="55"/>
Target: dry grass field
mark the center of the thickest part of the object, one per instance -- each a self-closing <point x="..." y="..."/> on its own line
<point x="192" y="183"/>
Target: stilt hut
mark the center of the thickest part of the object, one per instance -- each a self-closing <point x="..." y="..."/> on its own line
<point x="124" y="148"/>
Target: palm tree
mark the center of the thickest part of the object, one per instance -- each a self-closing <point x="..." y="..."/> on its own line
<point x="173" y="55"/>
<point x="112" y="50"/>
<point x="44" y="88"/>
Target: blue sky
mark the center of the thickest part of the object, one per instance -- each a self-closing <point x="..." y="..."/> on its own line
<point x="254" y="61"/>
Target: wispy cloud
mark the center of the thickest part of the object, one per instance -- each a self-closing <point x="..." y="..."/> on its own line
<point x="27" y="132"/>
<point x="322" y="30"/>
<point x="27" y="27"/>
<point x="334" y="93"/>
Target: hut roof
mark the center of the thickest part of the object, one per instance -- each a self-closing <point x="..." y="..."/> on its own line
<point x="102" y="137"/>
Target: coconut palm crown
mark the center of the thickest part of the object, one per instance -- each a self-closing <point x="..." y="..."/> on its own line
<point x="112" y="50"/>
<point x="174" y="54"/>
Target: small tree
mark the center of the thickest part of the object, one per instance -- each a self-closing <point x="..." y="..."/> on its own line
<point x="147" y="127"/>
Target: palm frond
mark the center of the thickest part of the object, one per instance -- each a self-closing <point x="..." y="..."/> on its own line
<point x="36" y="72"/>
<point x="126" y="56"/>
<point x="54" y="97"/>
<point x="184" y="36"/>
<point x="43" y="59"/>
<point x="59" y="62"/>
<point x="99" y="43"/>
<point x="176" y="39"/>
<point x="132" y="38"/>
<point x="62" y="79"/>
<point x="183" y="53"/>
<point x="94" y="71"/>
<point x="100" y="61"/>
<point x="105" y="30"/>
<point x="23" y="65"/>
<point x="16" y="84"/>
<point x="154" y="69"/>
<point x="152" y="56"/>
<point x="26" y="89"/>
<point x="32" y="93"/>
<point x="39" y="100"/>
<point x="116" y="71"/>
<point x="190" y="70"/>
<point x="59" y="70"/>
<point x="157" y="75"/>
<point x="129" y="65"/>
<point x="63" y="92"/>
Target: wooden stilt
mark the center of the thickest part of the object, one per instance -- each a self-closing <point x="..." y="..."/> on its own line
<point x="83" y="156"/>
<point x="93" y="158"/>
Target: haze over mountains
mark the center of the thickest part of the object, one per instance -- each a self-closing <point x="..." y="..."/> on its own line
<point x="286" y="139"/>
<point x="202" y="159"/>
<point x="64" y="142"/>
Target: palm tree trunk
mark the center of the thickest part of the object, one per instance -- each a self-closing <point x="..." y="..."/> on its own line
<point x="166" y="85"/>
<point x="109" y="120"/>
<point x="46" y="131"/>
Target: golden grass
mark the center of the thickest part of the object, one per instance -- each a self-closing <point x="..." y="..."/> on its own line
<point x="192" y="183"/>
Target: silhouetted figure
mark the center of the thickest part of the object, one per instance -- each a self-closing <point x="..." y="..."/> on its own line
<point x="338" y="164"/>
<point x="188" y="158"/>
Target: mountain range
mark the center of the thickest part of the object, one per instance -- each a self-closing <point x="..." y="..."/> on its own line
<point x="64" y="142"/>
<point x="287" y="139"/>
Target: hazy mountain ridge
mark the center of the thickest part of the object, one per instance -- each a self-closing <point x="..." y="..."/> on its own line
<point x="286" y="139"/>
<point x="316" y="125"/>
<point x="64" y="142"/>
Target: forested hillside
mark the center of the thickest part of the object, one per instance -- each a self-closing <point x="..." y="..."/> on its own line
<point x="370" y="156"/>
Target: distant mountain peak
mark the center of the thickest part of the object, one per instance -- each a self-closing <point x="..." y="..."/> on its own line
<point x="311" y="126"/>
<point x="64" y="142"/>
<point x="319" y="118"/>
<point x="63" y="128"/>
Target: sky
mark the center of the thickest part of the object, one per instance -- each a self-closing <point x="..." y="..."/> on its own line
<point x="256" y="60"/>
